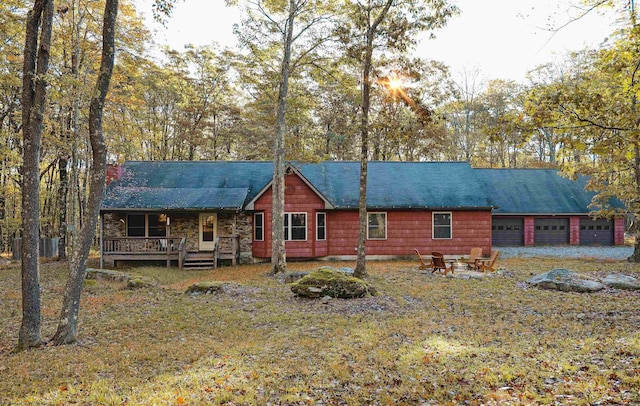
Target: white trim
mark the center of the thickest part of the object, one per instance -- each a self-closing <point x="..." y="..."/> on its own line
<point x="261" y="214"/>
<point x="385" y="225"/>
<point x="433" y="225"/>
<point x="207" y="245"/>
<point x="324" y="213"/>
<point x="287" y="231"/>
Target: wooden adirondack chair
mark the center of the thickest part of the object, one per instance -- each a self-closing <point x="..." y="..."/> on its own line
<point x="488" y="264"/>
<point x="422" y="265"/>
<point x="476" y="253"/>
<point x="438" y="263"/>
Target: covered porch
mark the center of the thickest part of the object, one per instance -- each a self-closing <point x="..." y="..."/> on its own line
<point x="172" y="250"/>
<point x="188" y="240"/>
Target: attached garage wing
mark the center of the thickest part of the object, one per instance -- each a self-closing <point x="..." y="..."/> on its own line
<point x="507" y="232"/>
<point x="551" y="231"/>
<point x="596" y="232"/>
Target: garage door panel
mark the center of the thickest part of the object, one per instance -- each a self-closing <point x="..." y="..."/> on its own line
<point x="507" y="232"/>
<point x="596" y="232"/>
<point x="552" y="231"/>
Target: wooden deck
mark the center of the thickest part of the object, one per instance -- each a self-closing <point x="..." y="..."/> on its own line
<point x="167" y="249"/>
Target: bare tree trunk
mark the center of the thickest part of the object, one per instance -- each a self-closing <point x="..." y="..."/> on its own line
<point x="68" y="324"/>
<point x="635" y="257"/>
<point x="278" y="252"/>
<point x="361" y="262"/>
<point x="34" y="86"/>
<point x="62" y="204"/>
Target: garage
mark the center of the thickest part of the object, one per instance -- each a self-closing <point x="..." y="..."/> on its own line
<point x="596" y="232"/>
<point x="507" y="232"/>
<point x="551" y="231"/>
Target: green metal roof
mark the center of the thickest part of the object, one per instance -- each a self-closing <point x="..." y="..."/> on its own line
<point x="158" y="185"/>
<point x="402" y="185"/>
<point x="176" y="199"/>
<point x="187" y="185"/>
<point x="536" y="191"/>
<point x="218" y="185"/>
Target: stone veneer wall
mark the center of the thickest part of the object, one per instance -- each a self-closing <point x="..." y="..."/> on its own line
<point x="112" y="226"/>
<point x="186" y="225"/>
<point x="243" y="227"/>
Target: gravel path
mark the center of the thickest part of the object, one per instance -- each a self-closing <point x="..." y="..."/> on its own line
<point x="618" y="252"/>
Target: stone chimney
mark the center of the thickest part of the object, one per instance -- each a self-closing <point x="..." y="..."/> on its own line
<point x="114" y="172"/>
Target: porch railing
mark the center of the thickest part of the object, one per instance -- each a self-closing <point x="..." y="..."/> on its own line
<point x="145" y="248"/>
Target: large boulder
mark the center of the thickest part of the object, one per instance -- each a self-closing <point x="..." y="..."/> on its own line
<point x="566" y="281"/>
<point x="331" y="282"/>
<point x="620" y="281"/>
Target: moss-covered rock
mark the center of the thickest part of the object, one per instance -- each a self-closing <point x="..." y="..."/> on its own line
<point x="205" y="287"/>
<point x="331" y="282"/>
<point x="92" y="273"/>
<point x="140" y="282"/>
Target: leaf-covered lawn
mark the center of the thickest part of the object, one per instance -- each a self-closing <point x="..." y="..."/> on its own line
<point x="425" y="339"/>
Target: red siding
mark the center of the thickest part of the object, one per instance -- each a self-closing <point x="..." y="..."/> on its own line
<point x="298" y="198"/>
<point x="406" y="230"/>
<point x="574" y="230"/>
<point x="529" y="231"/>
<point x="618" y="230"/>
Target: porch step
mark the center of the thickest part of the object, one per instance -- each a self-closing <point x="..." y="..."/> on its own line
<point x="199" y="261"/>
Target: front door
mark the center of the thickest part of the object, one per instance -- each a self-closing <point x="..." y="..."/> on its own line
<point x="208" y="224"/>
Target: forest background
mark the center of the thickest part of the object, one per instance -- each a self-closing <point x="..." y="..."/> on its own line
<point x="210" y="103"/>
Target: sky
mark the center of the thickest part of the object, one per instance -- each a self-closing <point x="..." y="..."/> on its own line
<point x="503" y="39"/>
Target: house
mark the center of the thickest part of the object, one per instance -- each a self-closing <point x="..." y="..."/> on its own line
<point x="195" y="214"/>
<point x="539" y="207"/>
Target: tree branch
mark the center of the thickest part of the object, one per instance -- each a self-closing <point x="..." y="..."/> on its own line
<point x="591" y="122"/>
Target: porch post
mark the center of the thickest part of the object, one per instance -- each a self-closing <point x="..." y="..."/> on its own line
<point x="168" y="234"/>
<point x="100" y="239"/>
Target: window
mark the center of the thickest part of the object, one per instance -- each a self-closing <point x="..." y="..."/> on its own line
<point x="377" y="226"/>
<point x="146" y="225"/>
<point x="295" y="226"/>
<point x="441" y="225"/>
<point x="321" y="226"/>
<point x="157" y="225"/>
<point x="258" y="227"/>
<point x="136" y="225"/>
